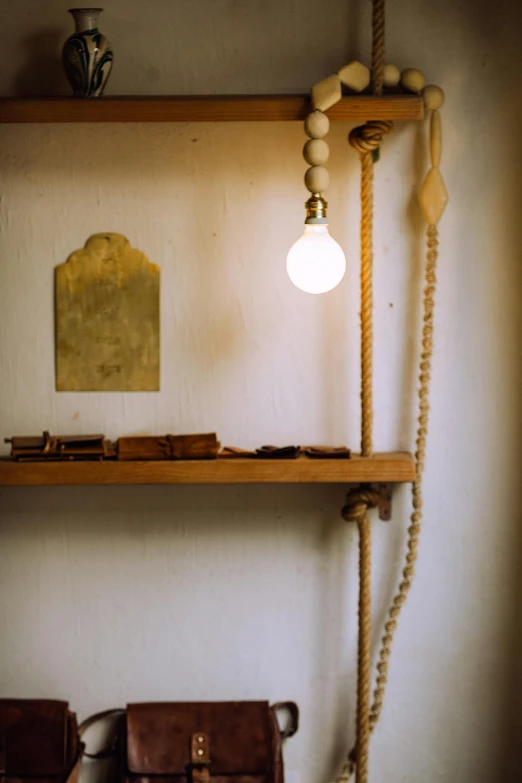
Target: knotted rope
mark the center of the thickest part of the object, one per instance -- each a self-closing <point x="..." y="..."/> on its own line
<point x="358" y="502"/>
<point x="368" y="137"/>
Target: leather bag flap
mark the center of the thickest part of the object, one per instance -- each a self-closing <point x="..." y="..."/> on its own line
<point x="159" y="737"/>
<point x="33" y="737"/>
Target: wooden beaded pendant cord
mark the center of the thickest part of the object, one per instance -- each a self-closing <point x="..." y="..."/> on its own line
<point x="433" y="197"/>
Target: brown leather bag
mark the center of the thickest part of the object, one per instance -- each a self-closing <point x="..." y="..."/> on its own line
<point x="198" y="742"/>
<point x="39" y="742"/>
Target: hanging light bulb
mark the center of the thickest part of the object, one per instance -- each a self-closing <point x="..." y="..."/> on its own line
<point x="316" y="262"/>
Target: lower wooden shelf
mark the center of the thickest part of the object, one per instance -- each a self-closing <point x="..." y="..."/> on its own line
<point x="383" y="467"/>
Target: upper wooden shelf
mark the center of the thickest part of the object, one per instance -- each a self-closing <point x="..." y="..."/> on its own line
<point x="206" y="108"/>
<point x="384" y="467"/>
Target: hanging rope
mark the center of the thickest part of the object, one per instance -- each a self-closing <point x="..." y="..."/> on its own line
<point x="358" y="502"/>
<point x="378" y="45"/>
<point x="366" y="140"/>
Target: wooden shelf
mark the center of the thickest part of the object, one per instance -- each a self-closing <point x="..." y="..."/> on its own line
<point x="385" y="467"/>
<point x="210" y="108"/>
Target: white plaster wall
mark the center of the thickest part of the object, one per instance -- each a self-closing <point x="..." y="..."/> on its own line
<point x="110" y="595"/>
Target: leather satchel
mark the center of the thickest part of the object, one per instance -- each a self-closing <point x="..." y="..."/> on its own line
<point x="39" y="742"/>
<point x="198" y="742"/>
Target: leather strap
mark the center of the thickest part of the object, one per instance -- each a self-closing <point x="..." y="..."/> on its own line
<point x="112" y="747"/>
<point x="200" y="758"/>
<point x="199" y="749"/>
<point x="293" y="710"/>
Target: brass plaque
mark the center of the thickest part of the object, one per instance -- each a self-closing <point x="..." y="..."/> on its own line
<point x="107" y="318"/>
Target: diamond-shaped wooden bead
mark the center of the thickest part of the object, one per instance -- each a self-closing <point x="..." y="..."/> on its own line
<point x="433" y="196"/>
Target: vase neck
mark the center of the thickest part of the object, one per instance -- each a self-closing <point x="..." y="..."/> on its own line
<point x="85" y="19"/>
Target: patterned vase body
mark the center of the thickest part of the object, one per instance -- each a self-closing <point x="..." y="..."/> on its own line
<point x="87" y="55"/>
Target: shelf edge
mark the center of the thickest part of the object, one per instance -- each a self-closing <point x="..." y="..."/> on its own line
<point x="387" y="467"/>
<point x="211" y="108"/>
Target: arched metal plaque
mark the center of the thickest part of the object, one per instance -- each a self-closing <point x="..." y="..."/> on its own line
<point x="107" y="318"/>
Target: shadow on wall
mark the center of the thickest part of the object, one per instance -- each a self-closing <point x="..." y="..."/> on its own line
<point x="513" y="712"/>
<point x="42" y="72"/>
<point x="513" y="754"/>
<point x="485" y="25"/>
<point x="168" y="66"/>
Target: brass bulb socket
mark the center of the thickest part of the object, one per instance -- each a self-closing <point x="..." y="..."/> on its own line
<point x="316" y="209"/>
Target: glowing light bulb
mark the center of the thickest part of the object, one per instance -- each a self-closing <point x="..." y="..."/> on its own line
<point x="316" y="262"/>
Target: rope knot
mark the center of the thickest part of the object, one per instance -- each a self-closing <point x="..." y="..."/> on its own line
<point x="368" y="137"/>
<point x="358" y="502"/>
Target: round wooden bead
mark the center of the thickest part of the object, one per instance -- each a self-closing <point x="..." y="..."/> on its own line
<point x="391" y="75"/>
<point x="316" y="152"/>
<point x="316" y="125"/>
<point x="317" y="179"/>
<point x="433" y="97"/>
<point x="412" y="80"/>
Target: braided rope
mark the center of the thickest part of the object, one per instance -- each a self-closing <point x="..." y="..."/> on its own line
<point x="422" y="432"/>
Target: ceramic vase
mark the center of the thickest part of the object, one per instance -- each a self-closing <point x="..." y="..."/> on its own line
<point x="87" y="55"/>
